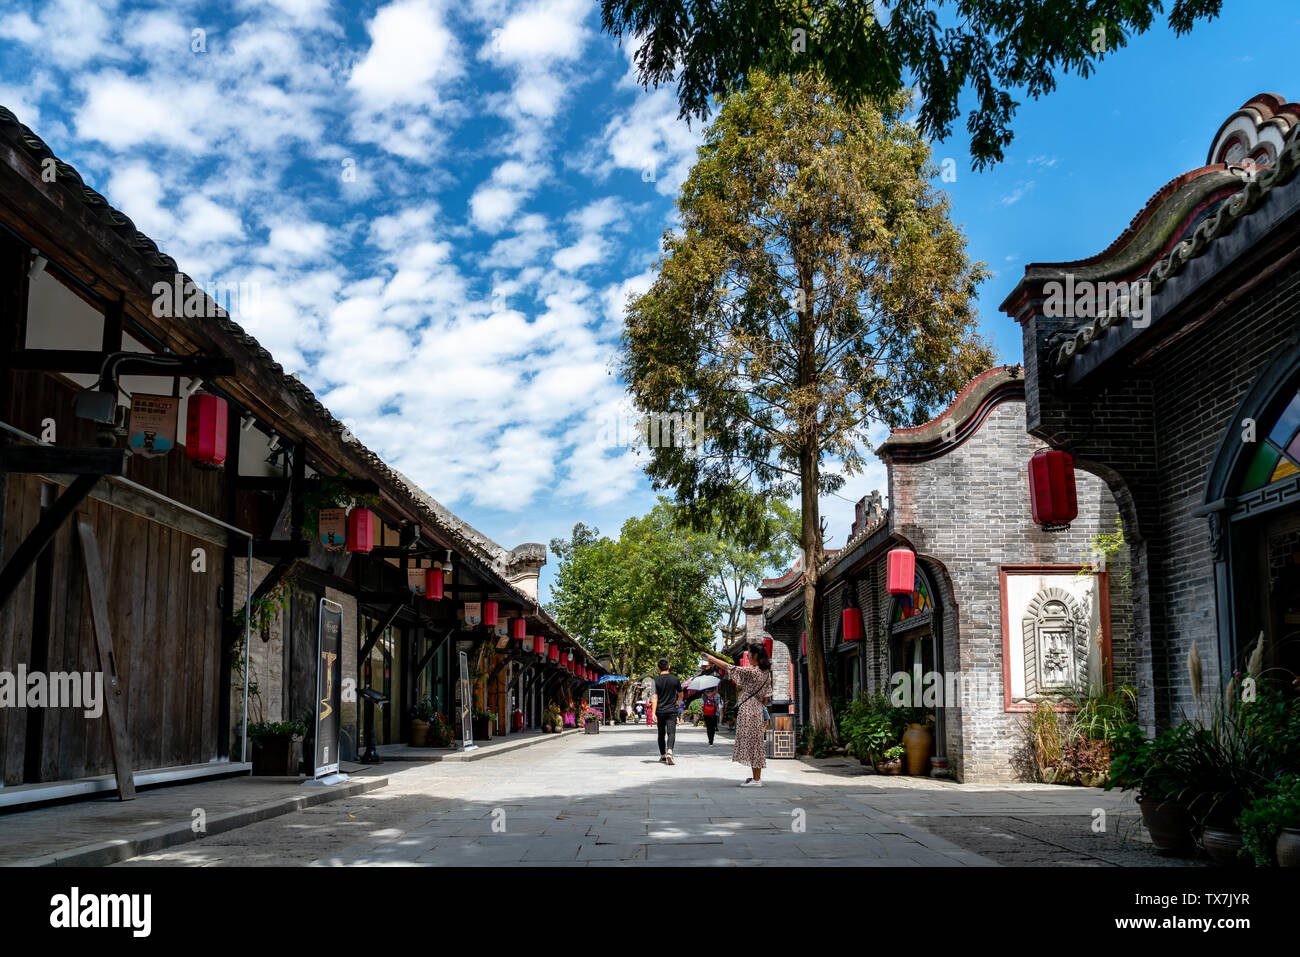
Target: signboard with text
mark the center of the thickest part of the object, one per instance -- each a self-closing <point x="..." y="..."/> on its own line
<point x="329" y="683"/>
<point x="152" y="430"/>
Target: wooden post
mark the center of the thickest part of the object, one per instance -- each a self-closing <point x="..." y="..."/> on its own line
<point x="114" y="706"/>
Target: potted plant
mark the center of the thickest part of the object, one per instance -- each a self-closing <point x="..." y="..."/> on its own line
<point x="440" y="732"/>
<point x="482" y="724"/>
<point x="273" y="746"/>
<point x="551" y="719"/>
<point x="873" y="729"/>
<point x="591" y="719"/>
<point x="1151" y="769"/>
<point x="421" y="716"/>
<point x="1270" y="825"/>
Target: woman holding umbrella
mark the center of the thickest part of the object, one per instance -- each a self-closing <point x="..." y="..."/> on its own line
<point x="754" y="685"/>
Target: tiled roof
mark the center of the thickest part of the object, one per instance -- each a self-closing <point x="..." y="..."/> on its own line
<point x="464" y="537"/>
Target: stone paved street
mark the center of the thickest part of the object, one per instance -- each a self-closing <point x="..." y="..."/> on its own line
<point x="604" y="799"/>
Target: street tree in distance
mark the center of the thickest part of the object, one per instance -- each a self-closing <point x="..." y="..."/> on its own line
<point x="867" y="50"/>
<point x="817" y="287"/>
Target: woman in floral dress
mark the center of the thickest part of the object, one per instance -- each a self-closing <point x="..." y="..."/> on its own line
<point x="753" y="685"/>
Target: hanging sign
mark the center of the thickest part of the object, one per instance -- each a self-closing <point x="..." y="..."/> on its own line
<point x="466" y="726"/>
<point x="332" y="524"/>
<point x="416" y="579"/>
<point x="152" y="431"/>
<point x="329" y="685"/>
<point x="502" y="630"/>
<point x="473" y="613"/>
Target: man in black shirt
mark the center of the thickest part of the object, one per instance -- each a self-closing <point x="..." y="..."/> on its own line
<point x="666" y="703"/>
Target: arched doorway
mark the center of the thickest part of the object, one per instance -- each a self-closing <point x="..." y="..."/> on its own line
<point x="1253" y="508"/>
<point x="916" y="648"/>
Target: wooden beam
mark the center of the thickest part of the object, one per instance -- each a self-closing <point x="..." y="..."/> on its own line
<point x="266" y="483"/>
<point x="272" y="579"/>
<point x="281" y="548"/>
<point x="380" y="627"/>
<point x="433" y="650"/>
<point x="41" y="536"/>
<point x="115" y="707"/>
<point x="89" y="362"/>
<point x="62" y="461"/>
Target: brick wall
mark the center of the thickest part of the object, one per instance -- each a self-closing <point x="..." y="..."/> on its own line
<point x="966" y="513"/>
<point x="1153" y="433"/>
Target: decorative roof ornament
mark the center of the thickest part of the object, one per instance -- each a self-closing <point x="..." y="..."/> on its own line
<point x="1255" y="134"/>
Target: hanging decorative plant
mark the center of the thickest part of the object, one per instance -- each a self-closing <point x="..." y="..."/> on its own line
<point x="266" y="609"/>
<point x="330" y="492"/>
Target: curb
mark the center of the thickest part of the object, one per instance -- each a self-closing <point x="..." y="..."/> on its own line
<point x="478" y="755"/>
<point x="104" y="853"/>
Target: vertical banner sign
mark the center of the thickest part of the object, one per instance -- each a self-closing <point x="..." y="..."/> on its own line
<point x="473" y="613"/>
<point x="329" y="680"/>
<point x="332" y="524"/>
<point x="466" y="728"/>
<point x="152" y="431"/>
<point x="415" y="581"/>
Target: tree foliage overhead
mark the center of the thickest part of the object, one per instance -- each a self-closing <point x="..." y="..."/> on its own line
<point x="867" y="50"/>
<point x="817" y="288"/>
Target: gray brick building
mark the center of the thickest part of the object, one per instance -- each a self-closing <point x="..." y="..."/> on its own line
<point x="1186" y="403"/>
<point x="959" y="498"/>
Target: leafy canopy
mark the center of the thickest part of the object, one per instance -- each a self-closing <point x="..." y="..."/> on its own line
<point x="866" y="51"/>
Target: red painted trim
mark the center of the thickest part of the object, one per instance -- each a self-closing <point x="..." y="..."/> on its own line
<point x="1103" y="595"/>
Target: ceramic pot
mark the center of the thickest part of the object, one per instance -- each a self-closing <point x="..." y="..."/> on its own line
<point x="918" y="741"/>
<point x="1222" y="845"/>
<point x="419" y="733"/>
<point x="1288" y="847"/>
<point x="1168" y="824"/>
<point x="889" y="767"/>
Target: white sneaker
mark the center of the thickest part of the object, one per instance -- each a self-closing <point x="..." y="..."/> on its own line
<point x="751" y="783"/>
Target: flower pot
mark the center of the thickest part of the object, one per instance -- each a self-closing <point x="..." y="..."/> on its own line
<point x="1288" y="847"/>
<point x="592" y="726"/>
<point x="1222" y="845"/>
<point x="918" y="741"/>
<point x="273" y="756"/>
<point x="1168" y="825"/>
<point x="419" y="733"/>
<point x="482" y="728"/>
<point x="888" y="767"/>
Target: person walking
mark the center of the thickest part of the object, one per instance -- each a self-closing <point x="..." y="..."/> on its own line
<point x="753" y="685"/>
<point x="665" y="706"/>
<point x="710" y="708"/>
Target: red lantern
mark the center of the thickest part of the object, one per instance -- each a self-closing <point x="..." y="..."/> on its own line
<point x="767" y="647"/>
<point x="555" y="653"/>
<point x="1052" y="497"/>
<point x="433" y="584"/>
<point x="852" y="618"/>
<point x="205" y="430"/>
<point x="518" y="629"/>
<point x="490" y="614"/>
<point x="361" y="530"/>
<point x="902" y="571"/>
<point x="539" y="646"/>
<point x="744" y="659"/>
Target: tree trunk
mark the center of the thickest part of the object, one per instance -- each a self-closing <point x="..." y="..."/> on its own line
<point x="820" y="715"/>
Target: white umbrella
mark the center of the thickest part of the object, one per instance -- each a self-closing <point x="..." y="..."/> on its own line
<point x="702" y="683"/>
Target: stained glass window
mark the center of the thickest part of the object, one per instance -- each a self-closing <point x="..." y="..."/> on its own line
<point x="1278" y="454"/>
<point x="908" y="606"/>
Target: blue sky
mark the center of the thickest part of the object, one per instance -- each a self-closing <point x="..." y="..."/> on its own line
<point x="443" y="205"/>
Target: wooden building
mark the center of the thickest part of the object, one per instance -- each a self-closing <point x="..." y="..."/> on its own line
<point x="131" y="548"/>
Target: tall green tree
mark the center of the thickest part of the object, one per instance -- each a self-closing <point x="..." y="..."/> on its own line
<point x="817" y="287"/>
<point x="646" y="595"/>
<point x="739" y="564"/>
<point x="867" y="50"/>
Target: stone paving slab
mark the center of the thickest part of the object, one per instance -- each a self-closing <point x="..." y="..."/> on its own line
<point x="106" y="830"/>
<point x="603" y="800"/>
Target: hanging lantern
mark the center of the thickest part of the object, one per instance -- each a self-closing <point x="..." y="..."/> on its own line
<point x="490" y="614"/>
<point x="539" y="646"/>
<point x="852" y="619"/>
<point x="205" y="430"/>
<point x="555" y="653"/>
<point x="1053" y="501"/>
<point x="767" y="647"/>
<point x="518" y="629"/>
<point x="361" y="530"/>
<point x="433" y="584"/>
<point x="902" y="571"/>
